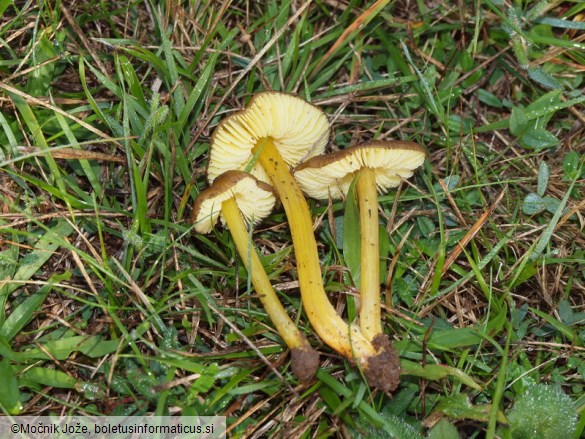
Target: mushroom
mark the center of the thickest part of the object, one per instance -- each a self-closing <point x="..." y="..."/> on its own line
<point x="379" y="165"/>
<point x="241" y="199"/>
<point x="275" y="131"/>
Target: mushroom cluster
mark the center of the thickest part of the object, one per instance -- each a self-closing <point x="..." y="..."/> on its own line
<point x="273" y="134"/>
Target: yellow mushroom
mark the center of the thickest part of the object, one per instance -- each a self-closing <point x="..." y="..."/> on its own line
<point x="276" y="131"/>
<point x="241" y="199"/>
<point x="379" y="165"/>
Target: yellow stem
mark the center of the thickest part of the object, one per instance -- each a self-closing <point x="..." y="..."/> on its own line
<point x="333" y="330"/>
<point x="289" y="332"/>
<point x="370" y="312"/>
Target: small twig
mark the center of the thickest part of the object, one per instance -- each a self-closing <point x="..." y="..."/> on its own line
<point x="472" y="232"/>
<point x="177" y="382"/>
<point x="47" y="216"/>
<point x="452" y="202"/>
<point x="459" y="248"/>
<point x="81" y="35"/>
<point x="39" y="102"/>
<point x="364" y="18"/>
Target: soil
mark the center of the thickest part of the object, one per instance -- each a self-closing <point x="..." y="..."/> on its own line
<point x="383" y="370"/>
<point x="304" y="363"/>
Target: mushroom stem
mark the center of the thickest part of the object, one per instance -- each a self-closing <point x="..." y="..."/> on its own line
<point x="370" y="311"/>
<point x="289" y="332"/>
<point x="333" y="330"/>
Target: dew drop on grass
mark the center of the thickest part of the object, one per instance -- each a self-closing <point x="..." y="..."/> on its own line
<point x="90" y="391"/>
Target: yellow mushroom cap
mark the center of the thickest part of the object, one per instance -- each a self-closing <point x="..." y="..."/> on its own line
<point x="299" y="130"/>
<point x="255" y="200"/>
<point x="330" y="175"/>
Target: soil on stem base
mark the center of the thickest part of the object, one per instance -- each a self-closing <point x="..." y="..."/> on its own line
<point x="304" y="363"/>
<point x="383" y="369"/>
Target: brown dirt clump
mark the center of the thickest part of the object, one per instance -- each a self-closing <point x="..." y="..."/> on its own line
<point x="304" y="363"/>
<point x="383" y="370"/>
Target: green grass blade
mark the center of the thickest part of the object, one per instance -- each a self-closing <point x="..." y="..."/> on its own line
<point x="48" y="377"/>
<point x="550" y="228"/>
<point x="23" y="314"/>
<point x="351" y="234"/>
<point x="10" y="399"/>
<point x="33" y="261"/>
<point x="37" y="133"/>
<point x="434" y="372"/>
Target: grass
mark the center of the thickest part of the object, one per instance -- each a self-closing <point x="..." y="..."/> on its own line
<point x="110" y="304"/>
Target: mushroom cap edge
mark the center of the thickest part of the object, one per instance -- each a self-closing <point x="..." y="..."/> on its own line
<point x="255" y="200"/>
<point x="330" y="175"/>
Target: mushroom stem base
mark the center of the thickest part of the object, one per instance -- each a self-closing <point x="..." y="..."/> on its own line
<point x="383" y="369"/>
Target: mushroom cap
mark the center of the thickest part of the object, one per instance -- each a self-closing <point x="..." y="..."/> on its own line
<point x="298" y="129"/>
<point x="255" y="200"/>
<point x="330" y="175"/>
